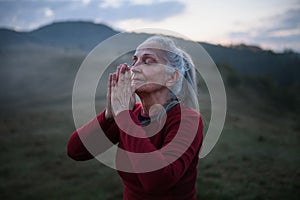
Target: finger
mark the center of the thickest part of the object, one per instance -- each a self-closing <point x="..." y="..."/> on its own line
<point x="125" y="79"/>
<point x="127" y="68"/>
<point x="109" y="84"/>
<point x="110" y="80"/>
<point x="113" y="87"/>
<point x="121" y="68"/>
<point x="118" y="72"/>
<point x="124" y="67"/>
<point x="114" y="80"/>
<point x="127" y="76"/>
<point x="121" y="78"/>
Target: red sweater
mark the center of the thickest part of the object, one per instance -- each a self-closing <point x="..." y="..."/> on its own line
<point x="175" y="181"/>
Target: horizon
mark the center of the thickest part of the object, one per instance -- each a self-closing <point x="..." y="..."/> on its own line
<point x="230" y="45"/>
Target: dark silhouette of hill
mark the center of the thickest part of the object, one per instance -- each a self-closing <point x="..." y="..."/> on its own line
<point x="10" y="38"/>
<point x="252" y="60"/>
<point x="249" y="60"/>
<point x="84" y="35"/>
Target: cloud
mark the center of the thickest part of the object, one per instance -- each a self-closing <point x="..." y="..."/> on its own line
<point x="26" y="15"/>
<point x="110" y="4"/>
<point x="48" y="12"/>
<point x="86" y="2"/>
<point x="279" y="31"/>
<point x="290" y="19"/>
<point x="112" y="11"/>
<point x="150" y="12"/>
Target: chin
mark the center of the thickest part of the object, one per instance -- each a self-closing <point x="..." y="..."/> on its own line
<point x="149" y="88"/>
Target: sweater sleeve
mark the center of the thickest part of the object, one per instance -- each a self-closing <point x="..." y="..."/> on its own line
<point x="176" y="157"/>
<point x="91" y="134"/>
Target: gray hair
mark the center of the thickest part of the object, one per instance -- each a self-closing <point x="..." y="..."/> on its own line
<point x="177" y="59"/>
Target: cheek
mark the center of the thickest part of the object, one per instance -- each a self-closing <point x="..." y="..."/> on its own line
<point x="158" y="77"/>
<point x="153" y="79"/>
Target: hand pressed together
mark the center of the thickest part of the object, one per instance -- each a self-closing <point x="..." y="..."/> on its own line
<point x="120" y="95"/>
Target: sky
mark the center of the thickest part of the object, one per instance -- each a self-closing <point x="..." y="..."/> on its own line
<point x="270" y="24"/>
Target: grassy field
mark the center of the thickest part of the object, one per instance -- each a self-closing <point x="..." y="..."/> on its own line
<point x="256" y="157"/>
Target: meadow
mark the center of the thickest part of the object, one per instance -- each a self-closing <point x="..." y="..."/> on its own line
<point x="256" y="157"/>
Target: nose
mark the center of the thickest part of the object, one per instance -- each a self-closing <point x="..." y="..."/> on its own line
<point x="136" y="67"/>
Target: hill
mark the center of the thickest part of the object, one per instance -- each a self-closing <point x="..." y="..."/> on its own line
<point x="84" y="35"/>
<point x="78" y="34"/>
<point x="252" y="60"/>
<point x="246" y="60"/>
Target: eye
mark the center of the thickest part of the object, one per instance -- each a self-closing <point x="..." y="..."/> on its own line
<point x="148" y="61"/>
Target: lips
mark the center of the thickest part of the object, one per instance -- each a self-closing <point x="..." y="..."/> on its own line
<point x="136" y="81"/>
<point x="134" y="77"/>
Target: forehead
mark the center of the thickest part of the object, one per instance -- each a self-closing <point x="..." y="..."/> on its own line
<point x="150" y="48"/>
<point x="150" y="44"/>
<point x="147" y="51"/>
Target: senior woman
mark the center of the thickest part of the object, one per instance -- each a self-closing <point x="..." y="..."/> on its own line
<point x="166" y="129"/>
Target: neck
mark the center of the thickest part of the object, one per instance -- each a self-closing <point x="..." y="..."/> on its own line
<point x="148" y="100"/>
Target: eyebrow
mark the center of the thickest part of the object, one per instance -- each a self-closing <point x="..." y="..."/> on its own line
<point x="145" y="55"/>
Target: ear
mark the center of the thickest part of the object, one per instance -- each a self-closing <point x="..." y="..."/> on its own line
<point x="172" y="79"/>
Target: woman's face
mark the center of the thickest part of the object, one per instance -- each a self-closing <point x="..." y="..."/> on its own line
<point x="148" y="69"/>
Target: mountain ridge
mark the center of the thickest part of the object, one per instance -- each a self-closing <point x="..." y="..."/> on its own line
<point x="39" y="67"/>
<point x="83" y="35"/>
